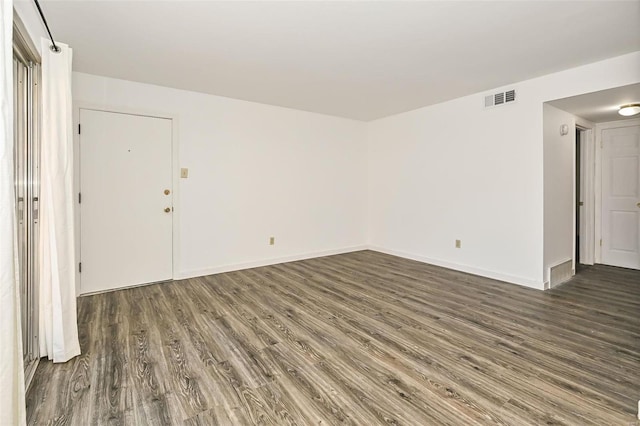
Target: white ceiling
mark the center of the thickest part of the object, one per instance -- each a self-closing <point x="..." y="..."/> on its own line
<point x="361" y="60"/>
<point x="602" y="106"/>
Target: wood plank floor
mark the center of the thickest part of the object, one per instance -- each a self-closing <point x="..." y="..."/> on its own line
<point x="361" y="338"/>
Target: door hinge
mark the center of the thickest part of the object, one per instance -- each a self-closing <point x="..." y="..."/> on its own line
<point x="80" y="267"/>
<point x="78" y="128"/>
<point x="600" y="242"/>
<point x="79" y="198"/>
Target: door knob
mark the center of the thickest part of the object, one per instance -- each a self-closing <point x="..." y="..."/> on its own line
<point x="167" y="209"/>
<point x="638" y="205"/>
<point x="167" y="192"/>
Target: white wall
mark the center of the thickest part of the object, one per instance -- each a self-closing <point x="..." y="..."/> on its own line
<point x="559" y="195"/>
<point x="459" y="171"/>
<point x="255" y="171"/>
<point x="445" y="172"/>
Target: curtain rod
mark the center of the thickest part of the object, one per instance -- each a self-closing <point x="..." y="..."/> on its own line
<point x="44" y="20"/>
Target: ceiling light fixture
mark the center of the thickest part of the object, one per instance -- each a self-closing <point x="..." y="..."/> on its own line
<point x="629" y="110"/>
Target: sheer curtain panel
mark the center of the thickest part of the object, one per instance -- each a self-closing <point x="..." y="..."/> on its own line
<point x="58" y="317"/>
<point x="12" y="407"/>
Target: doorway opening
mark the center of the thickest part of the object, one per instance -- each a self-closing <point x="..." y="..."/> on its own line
<point x="586" y="226"/>
<point x="578" y="199"/>
<point x="584" y="197"/>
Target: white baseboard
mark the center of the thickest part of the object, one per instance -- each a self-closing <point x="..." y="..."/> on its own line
<point x="264" y="262"/>
<point x="437" y="262"/>
<point x="526" y="282"/>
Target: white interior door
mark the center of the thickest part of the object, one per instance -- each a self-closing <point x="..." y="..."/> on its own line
<point x="126" y="200"/>
<point x="621" y="197"/>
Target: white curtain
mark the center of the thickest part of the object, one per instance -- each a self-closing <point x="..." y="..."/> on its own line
<point x="12" y="408"/>
<point x="58" y="317"/>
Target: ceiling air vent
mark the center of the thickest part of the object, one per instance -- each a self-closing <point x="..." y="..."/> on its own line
<point x="499" y="98"/>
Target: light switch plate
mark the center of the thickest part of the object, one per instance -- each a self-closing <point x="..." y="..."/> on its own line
<point x="184" y="173"/>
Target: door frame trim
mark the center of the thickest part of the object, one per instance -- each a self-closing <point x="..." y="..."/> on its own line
<point x="175" y="174"/>
<point x="588" y="172"/>
<point x="25" y="52"/>
<point x="598" y="181"/>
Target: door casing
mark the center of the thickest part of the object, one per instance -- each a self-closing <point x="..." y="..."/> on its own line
<point x="598" y="178"/>
<point x="587" y="169"/>
<point x="175" y="174"/>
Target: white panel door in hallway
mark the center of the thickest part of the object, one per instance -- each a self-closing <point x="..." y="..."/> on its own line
<point x="621" y="197"/>
<point x="126" y="198"/>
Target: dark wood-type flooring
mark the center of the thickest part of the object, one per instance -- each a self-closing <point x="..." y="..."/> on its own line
<point x="361" y="338"/>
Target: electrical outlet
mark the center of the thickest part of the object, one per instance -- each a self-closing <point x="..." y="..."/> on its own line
<point x="458" y="243"/>
<point x="184" y="173"/>
<point x="272" y="240"/>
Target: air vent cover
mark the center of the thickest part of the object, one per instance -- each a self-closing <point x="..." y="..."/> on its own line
<point x="500" y="98"/>
<point x="488" y="101"/>
<point x="510" y="96"/>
